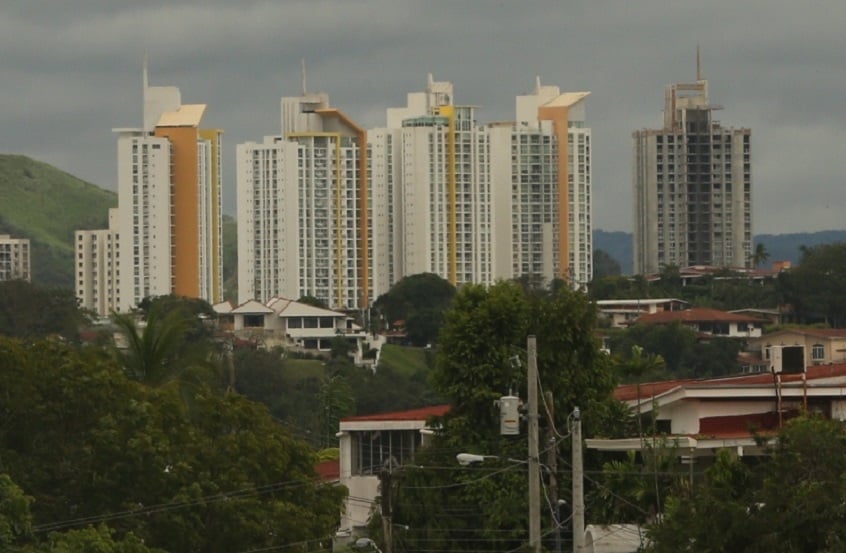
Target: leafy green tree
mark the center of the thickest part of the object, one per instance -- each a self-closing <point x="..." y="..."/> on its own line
<point x="87" y="443"/>
<point x="314" y="302"/>
<point x="483" y="337"/>
<point x="96" y="540"/>
<point x="30" y="311"/>
<point x="612" y="287"/>
<point x="713" y="516"/>
<point x="419" y="300"/>
<point x="791" y="503"/>
<point x="816" y="287"/>
<point x="683" y="353"/>
<point x="604" y="265"/>
<point x="15" y="515"/>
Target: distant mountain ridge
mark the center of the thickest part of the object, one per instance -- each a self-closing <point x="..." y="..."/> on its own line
<point x="781" y="247"/>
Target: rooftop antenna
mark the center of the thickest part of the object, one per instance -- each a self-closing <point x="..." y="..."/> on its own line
<point x="302" y="61"/>
<point x="144" y="79"/>
<point x="698" y="65"/>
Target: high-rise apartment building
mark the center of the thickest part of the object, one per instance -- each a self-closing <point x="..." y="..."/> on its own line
<point x="15" y="261"/>
<point x="303" y="210"/>
<point x="97" y="254"/>
<point x="542" y="186"/>
<point x="440" y="188"/>
<point x="327" y="210"/>
<point x="692" y="187"/>
<point x="169" y="215"/>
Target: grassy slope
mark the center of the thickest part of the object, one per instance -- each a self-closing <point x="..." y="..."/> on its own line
<point x="405" y="360"/>
<point x="46" y="205"/>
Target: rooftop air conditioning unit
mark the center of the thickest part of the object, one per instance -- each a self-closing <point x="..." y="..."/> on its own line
<point x="787" y="359"/>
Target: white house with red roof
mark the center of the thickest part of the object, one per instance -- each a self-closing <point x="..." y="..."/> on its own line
<point x="371" y="443"/>
<point x="709" y="322"/>
<point x="701" y="416"/>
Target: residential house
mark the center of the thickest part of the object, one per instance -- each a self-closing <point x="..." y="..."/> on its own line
<point x="709" y="322"/>
<point x="370" y="444"/>
<point x="823" y="346"/>
<point x="624" y="312"/>
<point x="289" y="323"/>
<point x="699" y="417"/>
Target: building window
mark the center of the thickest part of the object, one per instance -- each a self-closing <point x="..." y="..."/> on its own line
<point x="817" y="352"/>
<point x="253" y="321"/>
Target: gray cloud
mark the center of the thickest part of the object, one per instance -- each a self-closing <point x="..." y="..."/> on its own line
<point x="71" y="72"/>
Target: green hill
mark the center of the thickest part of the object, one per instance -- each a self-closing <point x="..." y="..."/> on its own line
<point x="46" y="205"/>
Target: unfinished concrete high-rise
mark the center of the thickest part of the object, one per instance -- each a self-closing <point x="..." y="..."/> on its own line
<point x="692" y="186"/>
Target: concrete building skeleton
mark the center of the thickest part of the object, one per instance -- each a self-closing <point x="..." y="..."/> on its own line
<point x="692" y="187"/>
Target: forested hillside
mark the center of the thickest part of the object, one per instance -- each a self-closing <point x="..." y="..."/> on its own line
<point x="46" y="205"/>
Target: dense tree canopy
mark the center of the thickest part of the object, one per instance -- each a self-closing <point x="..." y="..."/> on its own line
<point x="604" y="265"/>
<point x="484" y="508"/>
<point x="792" y="502"/>
<point x="30" y="311"/>
<point x="92" y="447"/>
<point x="683" y="353"/>
<point x="817" y="287"/>
<point x="419" y="300"/>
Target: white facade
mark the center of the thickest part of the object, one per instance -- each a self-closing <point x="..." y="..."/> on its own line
<point x="290" y="324"/>
<point x="529" y="189"/>
<point x="367" y="444"/>
<point x="268" y="263"/>
<point x="15" y="259"/>
<point x="692" y="187"/>
<point x="307" y="188"/>
<point x="97" y="255"/>
<point x="476" y="203"/>
<point x="143" y="217"/>
<point x="441" y="194"/>
<point x="167" y="229"/>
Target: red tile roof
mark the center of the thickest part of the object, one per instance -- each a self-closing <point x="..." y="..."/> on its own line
<point x="329" y="471"/>
<point x="421" y="414"/>
<point x="821" y="332"/>
<point x="697" y="315"/>
<point x="738" y="426"/>
<point x="628" y="392"/>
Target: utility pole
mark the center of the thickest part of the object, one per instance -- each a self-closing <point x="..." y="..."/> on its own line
<point x="578" y="485"/>
<point x="387" y="517"/>
<point x="533" y="461"/>
<point x="552" y="463"/>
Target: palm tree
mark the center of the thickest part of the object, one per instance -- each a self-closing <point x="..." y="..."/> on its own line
<point x="760" y="255"/>
<point x="158" y="350"/>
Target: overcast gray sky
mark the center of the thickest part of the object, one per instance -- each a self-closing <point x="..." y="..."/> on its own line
<point x="70" y="71"/>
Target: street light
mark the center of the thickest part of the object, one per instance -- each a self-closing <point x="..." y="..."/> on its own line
<point x="362" y="543"/>
<point x="465" y="459"/>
